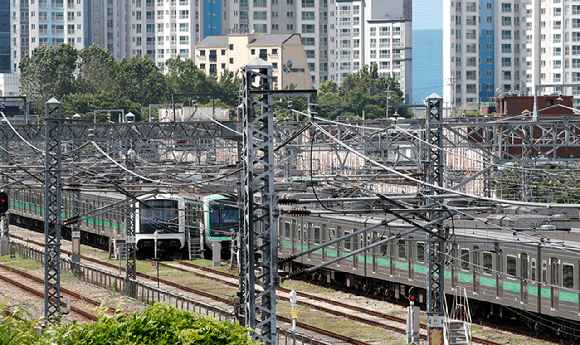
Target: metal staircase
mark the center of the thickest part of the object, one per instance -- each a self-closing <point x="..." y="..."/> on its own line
<point x="458" y="321"/>
<point x="192" y="238"/>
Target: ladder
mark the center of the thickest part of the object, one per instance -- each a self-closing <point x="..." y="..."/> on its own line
<point x="458" y="321"/>
<point x="192" y="237"/>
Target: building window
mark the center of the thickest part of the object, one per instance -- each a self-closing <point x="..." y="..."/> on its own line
<point x="201" y="66"/>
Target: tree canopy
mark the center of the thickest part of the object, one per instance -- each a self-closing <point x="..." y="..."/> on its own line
<point x="91" y="79"/>
<point x="365" y="91"/>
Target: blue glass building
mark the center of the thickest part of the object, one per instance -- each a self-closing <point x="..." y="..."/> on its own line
<point x="5" y="61"/>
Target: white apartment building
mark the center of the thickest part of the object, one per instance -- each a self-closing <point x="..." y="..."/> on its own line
<point x="159" y="29"/>
<point x="484" y="50"/>
<point x="560" y="46"/>
<point x="47" y="22"/>
<point x="375" y="32"/>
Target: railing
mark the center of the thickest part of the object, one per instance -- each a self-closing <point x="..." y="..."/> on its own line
<point x="150" y="294"/>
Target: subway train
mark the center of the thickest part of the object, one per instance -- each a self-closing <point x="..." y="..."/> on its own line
<point x="528" y="275"/>
<point x="174" y="222"/>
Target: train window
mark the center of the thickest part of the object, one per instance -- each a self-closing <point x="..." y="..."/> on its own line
<point x="544" y="272"/>
<point x="487" y="262"/>
<point x="511" y="265"/>
<point x="401" y="249"/>
<point x="332" y="236"/>
<point x="287" y="230"/>
<point x="534" y="270"/>
<point x="383" y="249"/>
<point x="421" y="252"/>
<point x="568" y="276"/>
<point x="465" y="259"/>
<point x="347" y="241"/>
<point x="316" y="235"/>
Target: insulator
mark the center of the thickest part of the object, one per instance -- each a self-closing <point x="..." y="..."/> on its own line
<point x="286" y="259"/>
<point x="297" y="274"/>
<point x="299" y="212"/>
<point x="287" y="201"/>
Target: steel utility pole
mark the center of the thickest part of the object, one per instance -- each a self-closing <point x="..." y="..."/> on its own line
<point x="52" y="206"/>
<point x="130" y="250"/>
<point x="259" y="235"/>
<point x="5" y="218"/>
<point x="434" y="175"/>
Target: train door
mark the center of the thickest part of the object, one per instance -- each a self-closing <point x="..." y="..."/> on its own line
<point x="402" y="253"/>
<point x="499" y="274"/>
<point x="454" y="265"/>
<point x="294" y="235"/>
<point x="476" y="269"/>
<point x="465" y="266"/>
<point x="375" y="252"/>
<point x="332" y="247"/>
<point x="420" y="253"/>
<point x="346" y="247"/>
<point x="554" y="282"/>
<point x="357" y="242"/>
<point x="324" y="236"/>
<point x="524" y="278"/>
<point x="411" y="258"/>
<point x="310" y="239"/>
<point x="392" y="258"/>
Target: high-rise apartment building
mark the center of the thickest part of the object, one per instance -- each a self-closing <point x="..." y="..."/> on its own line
<point x="5" y="37"/>
<point x="484" y="50"/>
<point x="375" y="32"/>
<point x="47" y="22"/>
<point x="559" y="46"/>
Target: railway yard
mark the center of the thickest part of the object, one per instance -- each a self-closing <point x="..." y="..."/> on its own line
<point x="329" y="315"/>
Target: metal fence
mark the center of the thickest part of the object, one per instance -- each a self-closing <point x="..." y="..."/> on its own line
<point x="150" y="294"/>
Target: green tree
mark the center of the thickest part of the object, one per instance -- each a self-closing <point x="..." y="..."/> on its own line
<point x="227" y="88"/>
<point x="183" y="76"/>
<point x="97" y="71"/>
<point x="142" y="82"/>
<point x="48" y="73"/>
<point x="361" y="91"/>
<point x="85" y="104"/>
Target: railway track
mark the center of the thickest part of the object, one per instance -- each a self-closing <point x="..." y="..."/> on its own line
<point x="348" y="315"/>
<point x="40" y="293"/>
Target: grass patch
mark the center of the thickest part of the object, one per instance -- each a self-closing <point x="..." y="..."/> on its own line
<point x="26" y="264"/>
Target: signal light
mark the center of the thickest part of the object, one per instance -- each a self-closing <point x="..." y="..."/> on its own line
<point x="4" y="204"/>
<point x="411" y="294"/>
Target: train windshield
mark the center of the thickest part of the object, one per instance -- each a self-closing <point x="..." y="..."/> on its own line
<point x="224" y="217"/>
<point x="161" y="216"/>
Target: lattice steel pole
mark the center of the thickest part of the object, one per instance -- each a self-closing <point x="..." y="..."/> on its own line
<point x="260" y="228"/>
<point x="52" y="207"/>
<point x="526" y="175"/>
<point x="5" y="218"/>
<point x="434" y="175"/>
<point x="130" y="252"/>
<point x="76" y="196"/>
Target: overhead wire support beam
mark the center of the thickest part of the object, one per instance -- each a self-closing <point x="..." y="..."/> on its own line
<point x="259" y="234"/>
<point x="52" y="206"/>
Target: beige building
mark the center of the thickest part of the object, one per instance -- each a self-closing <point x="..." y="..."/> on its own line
<point x="285" y="52"/>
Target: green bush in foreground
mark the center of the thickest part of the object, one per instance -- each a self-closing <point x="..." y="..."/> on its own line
<point x="160" y="324"/>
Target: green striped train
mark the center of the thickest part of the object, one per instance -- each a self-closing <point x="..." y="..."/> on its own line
<point x="169" y="222"/>
<point x="507" y="274"/>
